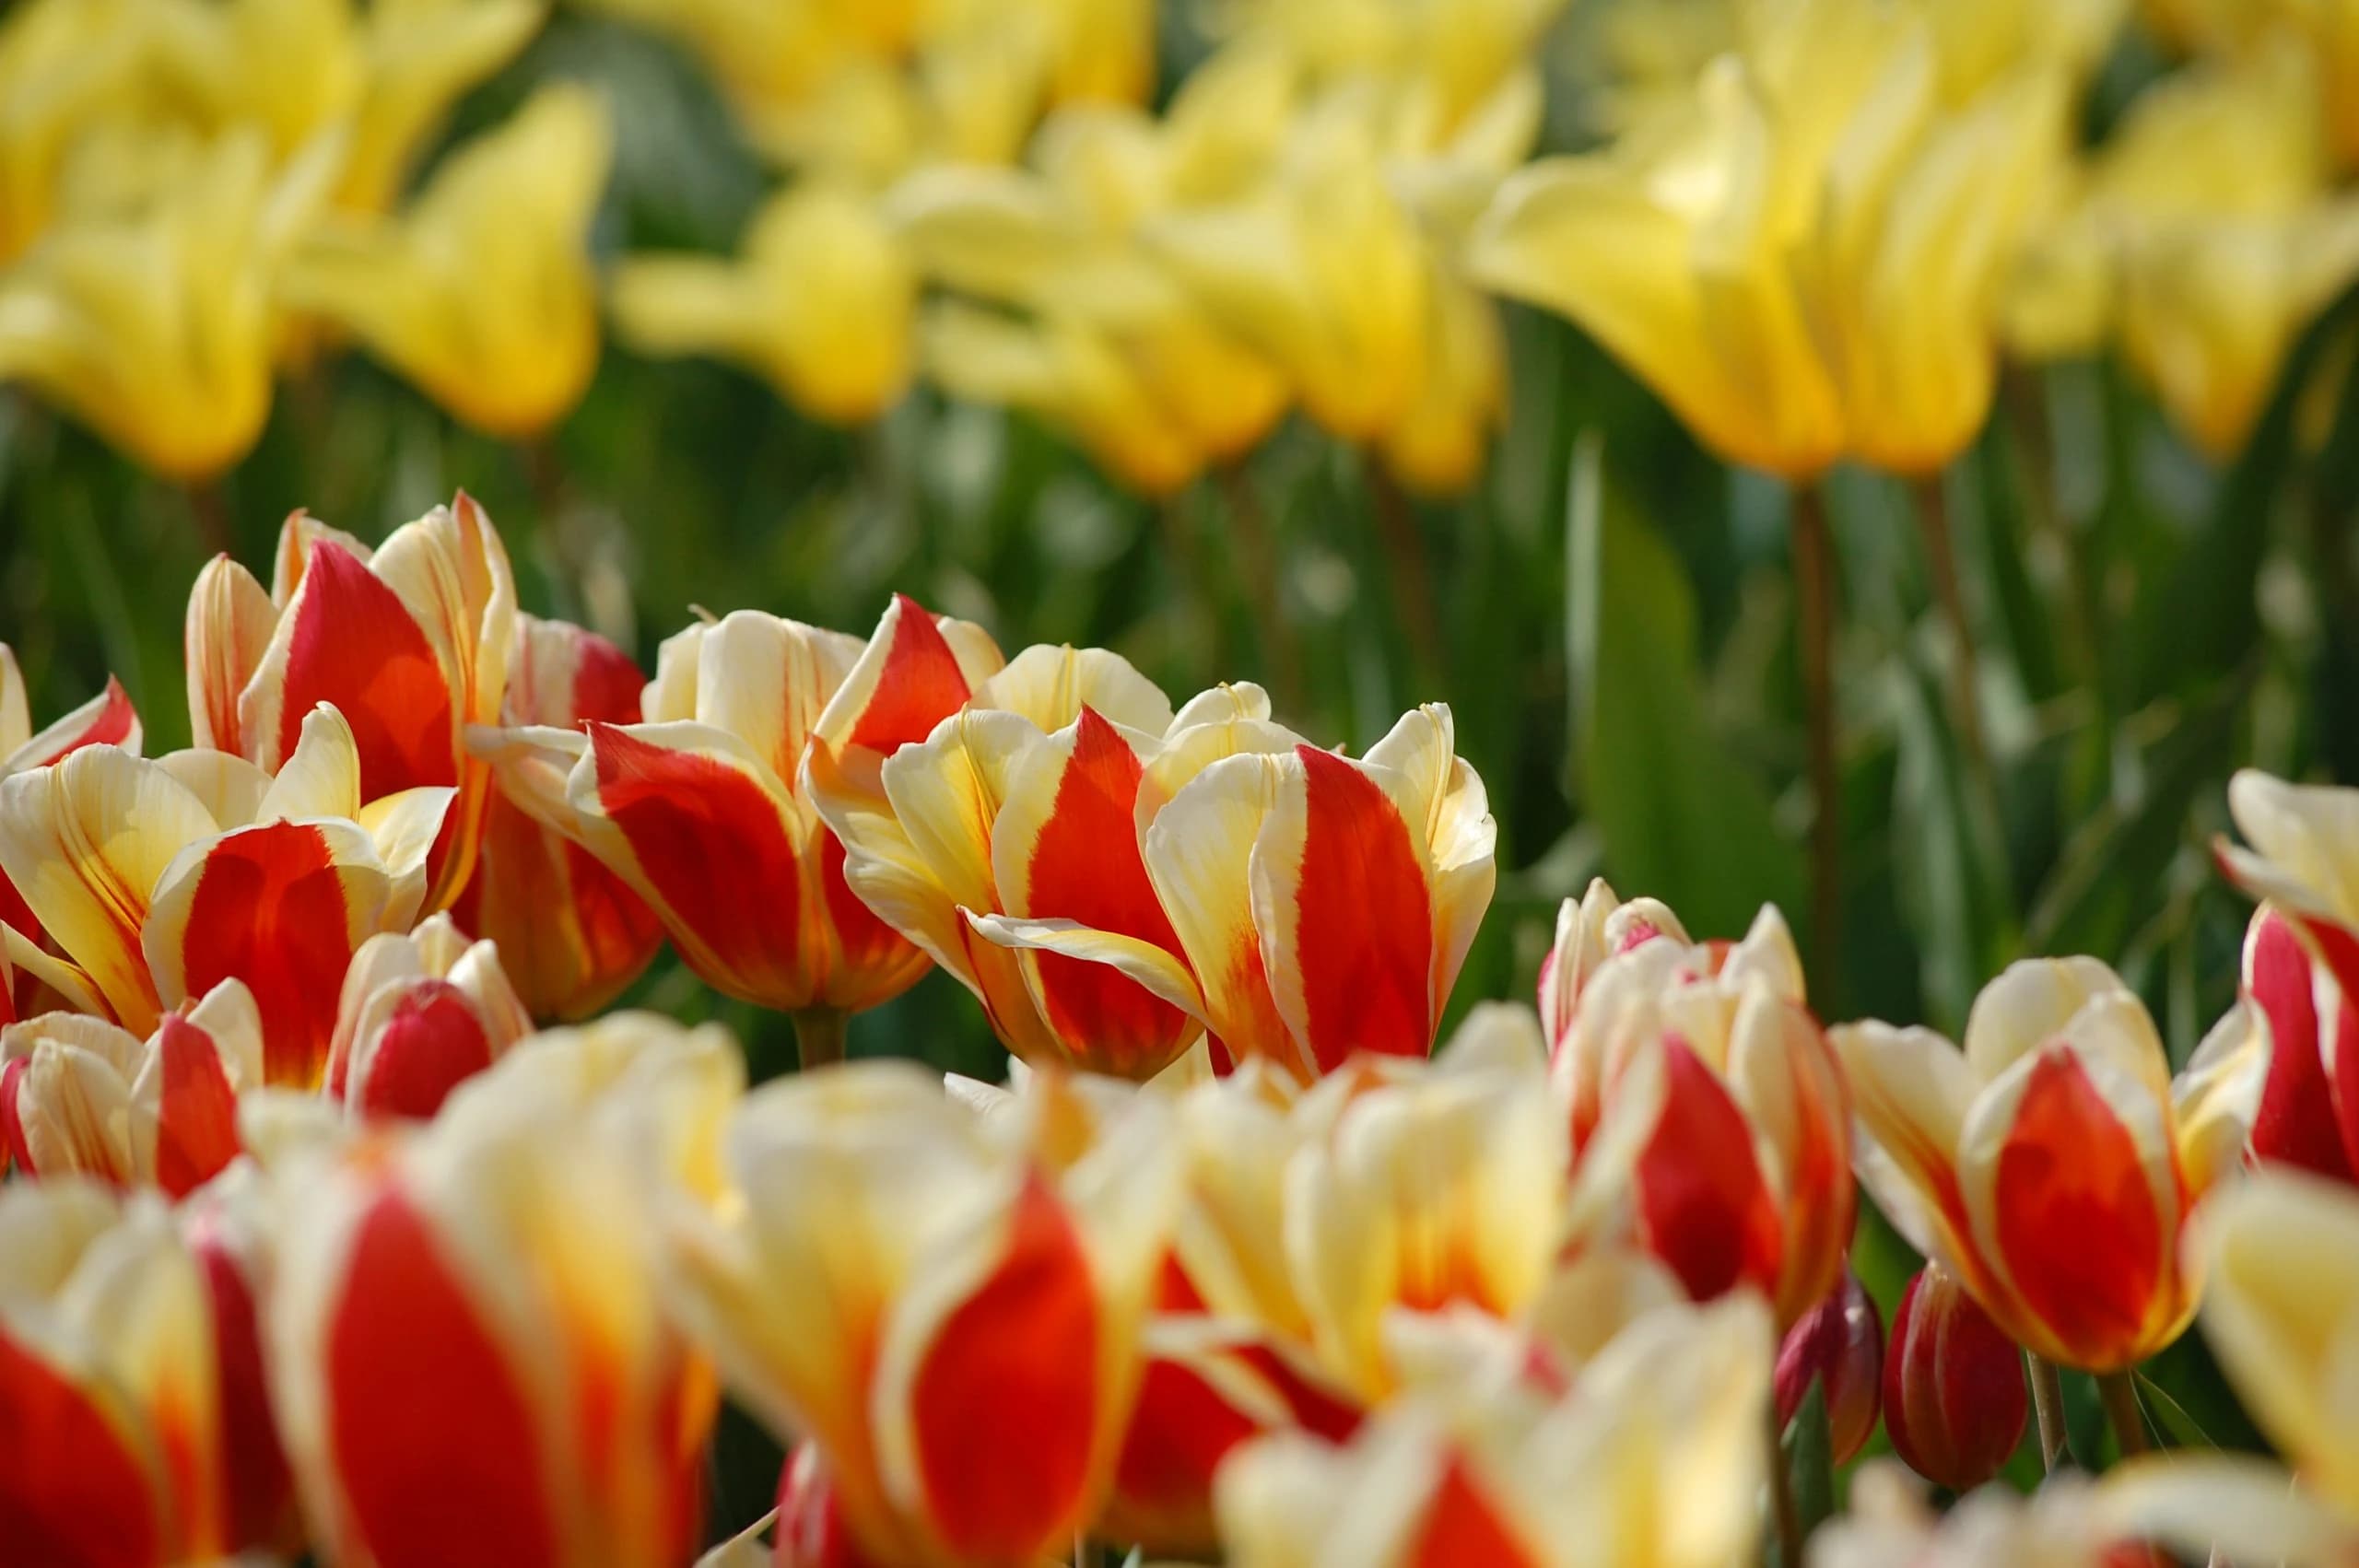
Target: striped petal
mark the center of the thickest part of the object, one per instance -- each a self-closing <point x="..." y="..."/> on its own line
<point x="107" y="720"/>
<point x="1200" y="853"/>
<point x="229" y="629"/>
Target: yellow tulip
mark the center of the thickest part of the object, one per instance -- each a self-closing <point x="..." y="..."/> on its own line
<point x="1805" y="264"/>
<point x="147" y="313"/>
<point x="58" y="58"/>
<point x="2202" y="236"/>
<point x="822" y="303"/>
<point x="481" y="293"/>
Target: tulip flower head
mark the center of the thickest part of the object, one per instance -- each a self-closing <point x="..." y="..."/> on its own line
<point x="1954" y="1398"/>
<point x="571" y="933"/>
<point x="1837" y="1346"/>
<point x="1708" y="1115"/>
<point x="157" y="880"/>
<point x="420" y="1012"/>
<point x="80" y="1094"/>
<point x="2052" y="1164"/>
<point x="1588" y="932"/>
<point x="702" y="812"/>
<point x="58" y="59"/>
<point x="106" y="719"/>
<point x="411" y="642"/>
<point x="961" y="1344"/>
<point x="139" y="1422"/>
<point x="481" y="292"/>
<point x="1805" y="262"/>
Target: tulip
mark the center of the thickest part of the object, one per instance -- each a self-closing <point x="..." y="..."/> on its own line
<point x="961" y="1344"/>
<point x="822" y="304"/>
<point x="412" y="643"/>
<point x="1587" y="933"/>
<point x="1954" y="1400"/>
<point x="58" y="60"/>
<point x="419" y="1013"/>
<point x="140" y="1433"/>
<point x="481" y="293"/>
<point x="148" y="315"/>
<point x="2053" y="1164"/>
<point x="77" y="1094"/>
<point x="107" y="720"/>
<point x="811" y="1528"/>
<point x="700" y="812"/>
<point x="2205" y="233"/>
<point x="571" y="933"/>
<point x="1837" y="1346"/>
<point x="158" y="880"/>
<point x="470" y="1361"/>
<point x="2301" y="961"/>
<point x="1803" y="261"/>
<point x="1710" y="1119"/>
<point x="1655" y="1456"/>
<point x="1315" y="904"/>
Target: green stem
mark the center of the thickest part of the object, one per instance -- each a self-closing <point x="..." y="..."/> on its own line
<point x="1787" y="1518"/>
<point x="1814" y="617"/>
<point x="1941" y="561"/>
<point x="1405" y="565"/>
<point x="2121" y="1398"/>
<point x="2048" y="1399"/>
<point x="1264" y="586"/>
<point x="819" y="1036"/>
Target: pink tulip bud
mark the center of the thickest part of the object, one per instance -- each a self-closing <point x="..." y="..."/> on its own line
<point x="1954" y="1401"/>
<point x="1839" y="1345"/>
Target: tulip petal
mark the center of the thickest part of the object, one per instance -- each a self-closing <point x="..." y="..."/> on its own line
<point x="321" y="777"/>
<point x="2298" y="1122"/>
<point x="73" y="1494"/>
<point x="1704" y="1207"/>
<point x="916" y="671"/>
<point x="228" y="632"/>
<point x="428" y="1041"/>
<point x="1050" y="686"/>
<point x="1200" y="853"/>
<point x="1345" y="914"/>
<point x="107" y="720"/>
<point x="196" y="1117"/>
<point x="433" y="1442"/>
<point x="1912" y="1090"/>
<point x="1463" y="1526"/>
<point x="258" y="1493"/>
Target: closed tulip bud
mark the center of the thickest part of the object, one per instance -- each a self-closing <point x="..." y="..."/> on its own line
<point x="411" y="642"/>
<point x="823" y="303"/>
<point x="1837" y="1346"/>
<point x="1709" y="1116"/>
<point x="962" y="1344"/>
<point x="79" y="1094"/>
<point x="420" y="1012"/>
<point x="481" y="292"/>
<point x="701" y="810"/>
<point x="1954" y="1398"/>
<point x="466" y="1310"/>
<point x="1588" y="932"/>
<point x="139" y="1423"/>
<point x="1658" y="1447"/>
<point x="2053" y="1164"/>
<point x="158" y="880"/>
<point x="571" y="933"/>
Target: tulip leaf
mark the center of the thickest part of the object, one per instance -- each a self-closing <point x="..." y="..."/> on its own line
<point x="1679" y="818"/>
<point x="1949" y="856"/>
<point x="2168" y="1416"/>
<point x="1807" y="1451"/>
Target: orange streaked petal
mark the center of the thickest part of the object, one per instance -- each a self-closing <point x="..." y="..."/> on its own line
<point x="197" y="1121"/>
<point x="258" y="1495"/>
<point x="228" y="631"/>
<point x="430" y="1042"/>
<point x="1703" y="1203"/>
<point x="107" y="720"/>
<point x="348" y="640"/>
<point x="1199" y="852"/>
<point x="919" y="685"/>
<point x="72" y="1494"/>
<point x="2297" y="1124"/>
<point x="1462" y="1527"/>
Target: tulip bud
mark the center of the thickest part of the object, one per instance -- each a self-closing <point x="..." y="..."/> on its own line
<point x="1838" y="1344"/>
<point x="419" y="1013"/>
<point x="1954" y="1400"/>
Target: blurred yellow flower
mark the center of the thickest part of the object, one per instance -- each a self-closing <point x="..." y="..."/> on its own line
<point x="145" y="311"/>
<point x="821" y="302"/>
<point x="481" y="292"/>
<point x="2202" y="236"/>
<point x="1805" y="262"/>
<point x="2327" y="31"/>
<point x="57" y="59"/>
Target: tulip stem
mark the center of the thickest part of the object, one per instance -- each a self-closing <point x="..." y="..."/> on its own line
<point x="2048" y="1399"/>
<point x="1264" y="586"/>
<point x="819" y="1036"/>
<point x="1814" y="616"/>
<point x="211" y="510"/>
<point x="1941" y="561"/>
<point x="1788" y="1518"/>
<point x="2119" y="1395"/>
<point x="1404" y="550"/>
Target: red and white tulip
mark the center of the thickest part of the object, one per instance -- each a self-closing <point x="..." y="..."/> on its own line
<point x="419" y="1013"/>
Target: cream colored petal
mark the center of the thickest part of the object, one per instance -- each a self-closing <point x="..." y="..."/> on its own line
<point x="230" y="623"/>
<point x="1049" y="685"/>
<point x="2026" y="1006"/>
<point x="320" y="779"/>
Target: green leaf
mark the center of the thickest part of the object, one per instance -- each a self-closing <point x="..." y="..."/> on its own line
<point x="1949" y="857"/>
<point x="1678" y="817"/>
<point x="2168" y="1416"/>
<point x="1807" y="1450"/>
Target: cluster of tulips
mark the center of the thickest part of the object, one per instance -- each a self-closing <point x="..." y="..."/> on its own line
<point x="315" y="1239"/>
<point x="1815" y="228"/>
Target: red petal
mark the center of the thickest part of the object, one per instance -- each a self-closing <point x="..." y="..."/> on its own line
<point x="710" y="842"/>
<point x="919" y="687"/>
<point x="71" y="1494"/>
<point x="12" y="1124"/>
<point x="1364" y="930"/>
<point x="269" y="910"/>
<point x="1005" y="1405"/>
<point x="1464" y="1529"/>
<point x="1086" y="866"/>
<point x="196" y="1124"/>
<point x="2297" y="1124"/>
<point x="1702" y="1201"/>
<point x="431" y="1434"/>
<point x="1179" y="1432"/>
<point x="871" y="948"/>
<point x="110" y="726"/>
<point x="15" y="911"/>
<point x="811" y="1528"/>
<point x="257" y="1493"/>
<point x="354" y="645"/>
<point x="2077" y="1223"/>
<point x="431" y="1041"/>
<point x="571" y="933"/>
<point x="606" y="685"/>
